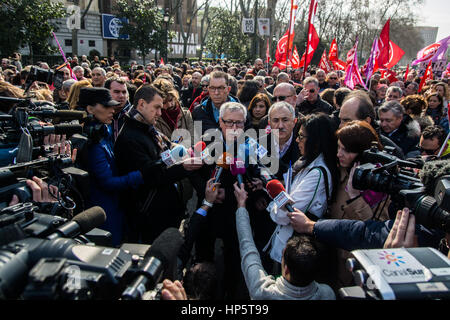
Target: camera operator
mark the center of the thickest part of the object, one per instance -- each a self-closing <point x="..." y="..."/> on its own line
<point x="352" y="234"/>
<point x="41" y="191"/>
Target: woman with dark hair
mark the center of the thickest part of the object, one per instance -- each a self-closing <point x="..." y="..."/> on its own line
<point x="435" y="110"/>
<point x="248" y="90"/>
<point x="258" y="108"/>
<point x="353" y="139"/>
<point x="315" y="174"/>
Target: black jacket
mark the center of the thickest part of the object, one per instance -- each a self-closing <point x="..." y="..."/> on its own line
<point x="406" y="137"/>
<point x="188" y="95"/>
<point x="137" y="149"/>
<point x="319" y="105"/>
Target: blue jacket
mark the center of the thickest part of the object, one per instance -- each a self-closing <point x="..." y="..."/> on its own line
<point x="105" y="185"/>
<point x="355" y="234"/>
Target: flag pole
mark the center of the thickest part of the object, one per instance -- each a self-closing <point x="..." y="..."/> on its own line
<point x="289" y="35"/>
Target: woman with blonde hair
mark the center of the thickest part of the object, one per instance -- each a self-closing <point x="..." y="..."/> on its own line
<point x="74" y="92"/>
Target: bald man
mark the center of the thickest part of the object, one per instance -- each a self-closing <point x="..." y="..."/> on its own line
<point x="194" y="89"/>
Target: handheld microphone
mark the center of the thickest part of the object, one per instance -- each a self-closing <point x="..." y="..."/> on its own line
<point x="278" y="193"/>
<point x="80" y="224"/>
<point x="161" y="261"/>
<point x="223" y="162"/>
<point x="238" y="169"/>
<point x="200" y="149"/>
<point x="173" y="156"/>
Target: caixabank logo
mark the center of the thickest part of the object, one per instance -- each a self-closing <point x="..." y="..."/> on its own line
<point x="391" y="258"/>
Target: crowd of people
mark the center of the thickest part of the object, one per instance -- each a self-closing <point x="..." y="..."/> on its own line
<point x="314" y="127"/>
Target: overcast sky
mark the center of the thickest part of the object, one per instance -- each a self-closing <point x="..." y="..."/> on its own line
<point x="436" y="13"/>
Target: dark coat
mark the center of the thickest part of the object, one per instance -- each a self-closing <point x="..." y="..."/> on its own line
<point x="319" y="105"/>
<point x="354" y="234"/>
<point x="188" y="95"/>
<point x="155" y="205"/>
<point x="406" y="137"/>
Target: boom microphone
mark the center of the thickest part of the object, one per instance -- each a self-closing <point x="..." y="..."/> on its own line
<point x="80" y="224"/>
<point x="62" y="114"/>
<point x="278" y="193"/>
<point x="161" y="262"/>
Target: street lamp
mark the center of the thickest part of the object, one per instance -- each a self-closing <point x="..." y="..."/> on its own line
<point x="166" y="20"/>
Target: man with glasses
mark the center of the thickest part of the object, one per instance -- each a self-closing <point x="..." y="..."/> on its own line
<point x="208" y="111"/>
<point x="431" y="141"/>
<point x="310" y="98"/>
<point x="333" y="80"/>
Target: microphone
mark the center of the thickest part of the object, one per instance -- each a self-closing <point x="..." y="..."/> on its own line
<point x="431" y="171"/>
<point x="238" y="169"/>
<point x="80" y="224"/>
<point x="160" y="262"/>
<point x="223" y="162"/>
<point x="173" y="156"/>
<point x="278" y="193"/>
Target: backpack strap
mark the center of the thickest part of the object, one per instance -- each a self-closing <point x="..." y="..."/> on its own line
<point x="324" y="172"/>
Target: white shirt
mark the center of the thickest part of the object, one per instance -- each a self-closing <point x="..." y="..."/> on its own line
<point x="309" y="195"/>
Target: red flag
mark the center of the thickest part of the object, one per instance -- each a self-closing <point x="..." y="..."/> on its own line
<point x="384" y="47"/>
<point x="395" y="54"/>
<point x="324" y="63"/>
<point x="161" y="63"/>
<point x="406" y="73"/>
<point x="294" y="61"/>
<point x="333" y="54"/>
<point x="339" y="65"/>
<point x="313" y="42"/>
<point x="281" y="51"/>
<point x="428" y="75"/>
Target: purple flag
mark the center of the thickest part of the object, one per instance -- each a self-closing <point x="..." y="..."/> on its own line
<point x="371" y="62"/>
<point x="442" y="50"/>
<point x="352" y="74"/>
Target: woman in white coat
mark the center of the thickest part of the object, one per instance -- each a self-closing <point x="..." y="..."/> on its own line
<point x="315" y="174"/>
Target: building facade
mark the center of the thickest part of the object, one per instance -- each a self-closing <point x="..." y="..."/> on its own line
<point x="94" y="34"/>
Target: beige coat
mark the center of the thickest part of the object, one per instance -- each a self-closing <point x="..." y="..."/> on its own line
<point x="358" y="209"/>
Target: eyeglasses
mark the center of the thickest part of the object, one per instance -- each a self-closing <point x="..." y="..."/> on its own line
<point x="217" y="88"/>
<point x="231" y="123"/>
<point x="204" y="85"/>
<point x="280" y="98"/>
<point x="426" y="151"/>
<point x="332" y="78"/>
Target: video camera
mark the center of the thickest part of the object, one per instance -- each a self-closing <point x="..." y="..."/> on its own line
<point x="48" y="257"/>
<point x="46" y="76"/>
<point x="382" y="172"/>
<point x="398" y="274"/>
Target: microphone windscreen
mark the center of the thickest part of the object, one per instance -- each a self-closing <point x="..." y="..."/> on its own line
<point x="68" y="114"/>
<point x="274" y="188"/>
<point x="91" y="218"/>
<point x="200" y="146"/>
<point x="179" y="151"/>
<point x="165" y="248"/>
<point x="430" y="173"/>
<point x="237" y="167"/>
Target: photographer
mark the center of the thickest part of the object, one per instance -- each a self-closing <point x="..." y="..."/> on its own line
<point x="353" y="234"/>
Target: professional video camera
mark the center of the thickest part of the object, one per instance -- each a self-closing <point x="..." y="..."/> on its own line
<point x="398" y="274"/>
<point x="48" y="257"/>
<point x="383" y="172"/>
<point x="46" y="76"/>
